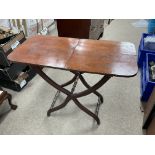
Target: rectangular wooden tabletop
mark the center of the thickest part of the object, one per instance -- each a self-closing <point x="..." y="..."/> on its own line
<point x="84" y="55"/>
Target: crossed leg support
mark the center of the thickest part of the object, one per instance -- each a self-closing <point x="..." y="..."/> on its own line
<point x="74" y="96"/>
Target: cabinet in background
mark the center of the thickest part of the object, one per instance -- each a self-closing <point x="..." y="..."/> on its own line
<point x="80" y="28"/>
<point x="149" y="115"/>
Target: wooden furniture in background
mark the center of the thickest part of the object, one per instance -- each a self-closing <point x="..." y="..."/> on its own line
<point x="80" y="28"/>
<point x="149" y="115"/>
<point x="5" y="95"/>
<point x="79" y="56"/>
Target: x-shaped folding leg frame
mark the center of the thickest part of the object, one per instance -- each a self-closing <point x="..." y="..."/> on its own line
<point x="75" y="96"/>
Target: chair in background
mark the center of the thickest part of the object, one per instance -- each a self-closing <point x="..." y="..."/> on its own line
<point x="5" y="95"/>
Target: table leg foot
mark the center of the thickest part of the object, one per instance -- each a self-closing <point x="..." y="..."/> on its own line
<point x="13" y="107"/>
<point x="49" y="112"/>
<point x="98" y="122"/>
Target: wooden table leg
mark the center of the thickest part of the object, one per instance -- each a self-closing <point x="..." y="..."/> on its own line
<point x="74" y="96"/>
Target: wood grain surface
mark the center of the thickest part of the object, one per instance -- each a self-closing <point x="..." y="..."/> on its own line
<point x="84" y="55"/>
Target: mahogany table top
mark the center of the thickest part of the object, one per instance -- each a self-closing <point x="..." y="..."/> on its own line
<point x="84" y="55"/>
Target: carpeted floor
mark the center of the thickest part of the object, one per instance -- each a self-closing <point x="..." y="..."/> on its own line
<point x="119" y="114"/>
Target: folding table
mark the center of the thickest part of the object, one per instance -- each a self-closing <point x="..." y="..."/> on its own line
<point x="79" y="56"/>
